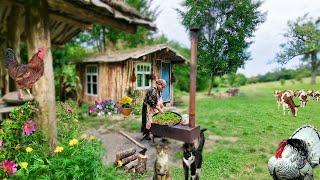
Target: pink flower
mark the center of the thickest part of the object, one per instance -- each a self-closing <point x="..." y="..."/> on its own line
<point x="10" y="167"/>
<point x="1" y="143"/>
<point x="28" y="127"/>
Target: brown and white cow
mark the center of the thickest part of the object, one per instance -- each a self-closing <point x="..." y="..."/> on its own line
<point x="278" y="94"/>
<point x="303" y="97"/>
<point x="316" y="95"/>
<point x="288" y="103"/>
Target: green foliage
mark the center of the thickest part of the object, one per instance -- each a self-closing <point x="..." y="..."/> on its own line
<point x="282" y="73"/>
<point x="282" y="82"/>
<point x="226" y="27"/>
<point x="79" y="159"/>
<point x="303" y="39"/>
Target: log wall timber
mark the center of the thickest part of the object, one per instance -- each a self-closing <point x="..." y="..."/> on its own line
<point x="114" y="78"/>
<point x="38" y="33"/>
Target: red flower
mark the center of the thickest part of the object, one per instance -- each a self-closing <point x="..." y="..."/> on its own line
<point x="10" y="167"/>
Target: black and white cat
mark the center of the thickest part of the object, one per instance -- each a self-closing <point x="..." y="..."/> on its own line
<point x="192" y="158"/>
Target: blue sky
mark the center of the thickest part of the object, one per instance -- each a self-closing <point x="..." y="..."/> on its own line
<point x="268" y="36"/>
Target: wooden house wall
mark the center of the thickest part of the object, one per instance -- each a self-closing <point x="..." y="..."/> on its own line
<point x="114" y="78"/>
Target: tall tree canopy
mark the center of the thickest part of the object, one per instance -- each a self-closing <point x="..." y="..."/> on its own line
<point x="226" y="26"/>
<point x="303" y="39"/>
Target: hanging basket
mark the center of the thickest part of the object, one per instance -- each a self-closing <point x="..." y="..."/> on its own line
<point x="126" y="111"/>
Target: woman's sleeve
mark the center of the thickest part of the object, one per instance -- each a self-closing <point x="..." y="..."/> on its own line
<point x="152" y="99"/>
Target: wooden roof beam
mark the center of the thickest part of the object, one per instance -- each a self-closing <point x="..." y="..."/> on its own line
<point x="78" y="12"/>
<point x="69" y="20"/>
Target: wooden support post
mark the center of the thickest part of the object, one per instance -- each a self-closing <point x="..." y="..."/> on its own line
<point x="193" y="75"/>
<point x="15" y="27"/>
<point x="38" y="34"/>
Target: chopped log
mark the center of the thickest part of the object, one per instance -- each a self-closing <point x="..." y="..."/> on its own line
<point x="131" y="165"/>
<point x="125" y="153"/>
<point x="142" y="164"/>
<point x="126" y="160"/>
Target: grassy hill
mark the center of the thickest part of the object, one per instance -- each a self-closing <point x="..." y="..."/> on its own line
<point x="256" y="126"/>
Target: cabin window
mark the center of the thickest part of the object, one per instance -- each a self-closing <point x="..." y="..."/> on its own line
<point x="143" y="72"/>
<point x="92" y="79"/>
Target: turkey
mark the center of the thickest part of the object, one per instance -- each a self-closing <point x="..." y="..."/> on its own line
<point x="296" y="157"/>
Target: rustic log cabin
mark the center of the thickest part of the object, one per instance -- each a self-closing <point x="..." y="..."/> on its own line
<point x="113" y="75"/>
<point x="47" y="23"/>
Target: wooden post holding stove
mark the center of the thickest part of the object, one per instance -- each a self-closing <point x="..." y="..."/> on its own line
<point x="179" y="132"/>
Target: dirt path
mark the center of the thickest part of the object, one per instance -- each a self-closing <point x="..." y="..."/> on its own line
<point x="114" y="142"/>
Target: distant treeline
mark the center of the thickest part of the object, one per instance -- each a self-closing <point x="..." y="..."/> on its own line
<point x="282" y="74"/>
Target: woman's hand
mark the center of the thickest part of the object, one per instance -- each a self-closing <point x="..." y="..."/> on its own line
<point x="148" y="124"/>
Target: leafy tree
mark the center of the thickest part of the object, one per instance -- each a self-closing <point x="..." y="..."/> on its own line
<point x="303" y="39"/>
<point x="226" y="28"/>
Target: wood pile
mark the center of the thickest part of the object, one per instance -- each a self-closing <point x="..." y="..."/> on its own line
<point x="131" y="161"/>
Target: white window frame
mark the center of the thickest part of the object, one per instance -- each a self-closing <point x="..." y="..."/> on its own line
<point x="92" y="74"/>
<point x="144" y="73"/>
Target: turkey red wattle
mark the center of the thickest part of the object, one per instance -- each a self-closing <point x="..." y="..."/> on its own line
<point x="280" y="149"/>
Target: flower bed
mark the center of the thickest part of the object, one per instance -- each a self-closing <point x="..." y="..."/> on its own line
<point x="24" y="152"/>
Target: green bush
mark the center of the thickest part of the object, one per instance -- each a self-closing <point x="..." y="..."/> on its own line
<point x="282" y="81"/>
<point x="76" y="156"/>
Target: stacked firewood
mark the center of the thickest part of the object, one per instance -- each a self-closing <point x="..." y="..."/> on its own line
<point x="130" y="160"/>
<point x="127" y="159"/>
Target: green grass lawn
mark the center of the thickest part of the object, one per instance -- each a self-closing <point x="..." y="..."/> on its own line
<point x="254" y="119"/>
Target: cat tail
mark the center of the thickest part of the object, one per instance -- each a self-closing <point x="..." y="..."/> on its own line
<point x="201" y="140"/>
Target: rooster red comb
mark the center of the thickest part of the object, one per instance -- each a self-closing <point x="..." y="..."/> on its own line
<point x="41" y="53"/>
<point x="280" y="149"/>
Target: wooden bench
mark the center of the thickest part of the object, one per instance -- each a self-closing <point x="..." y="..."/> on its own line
<point x="6" y="109"/>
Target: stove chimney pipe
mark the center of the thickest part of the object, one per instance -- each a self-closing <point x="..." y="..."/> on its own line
<point x="193" y="74"/>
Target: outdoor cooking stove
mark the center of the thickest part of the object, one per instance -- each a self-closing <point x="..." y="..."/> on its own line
<point x="180" y="132"/>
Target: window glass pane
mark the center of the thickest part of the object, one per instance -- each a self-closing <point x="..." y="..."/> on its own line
<point x="94" y="69"/>
<point x="94" y="89"/>
<point x="144" y="68"/>
<point x="139" y="80"/>
<point x="146" y="83"/>
<point x="88" y="78"/>
<point x="148" y="68"/>
<point x="94" y="78"/>
<point x="88" y="88"/>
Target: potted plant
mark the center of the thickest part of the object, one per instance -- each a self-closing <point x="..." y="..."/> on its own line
<point x="126" y="105"/>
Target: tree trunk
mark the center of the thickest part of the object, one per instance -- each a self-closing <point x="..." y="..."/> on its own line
<point x="38" y="34"/>
<point x="211" y="84"/>
<point x="15" y="26"/>
<point x="314" y="67"/>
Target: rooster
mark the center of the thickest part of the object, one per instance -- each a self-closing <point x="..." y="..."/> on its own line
<point x="25" y="75"/>
<point x="297" y="156"/>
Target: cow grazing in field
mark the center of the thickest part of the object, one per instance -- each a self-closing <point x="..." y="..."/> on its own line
<point x="310" y="94"/>
<point x="278" y="94"/>
<point x="303" y="97"/>
<point x="316" y="95"/>
<point x="288" y="103"/>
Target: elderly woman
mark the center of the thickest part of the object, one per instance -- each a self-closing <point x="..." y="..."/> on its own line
<point x="152" y="104"/>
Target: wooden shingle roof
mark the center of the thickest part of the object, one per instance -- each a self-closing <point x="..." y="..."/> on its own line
<point x="135" y="54"/>
<point x="69" y="17"/>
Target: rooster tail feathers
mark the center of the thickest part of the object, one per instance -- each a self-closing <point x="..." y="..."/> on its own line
<point x="10" y="58"/>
